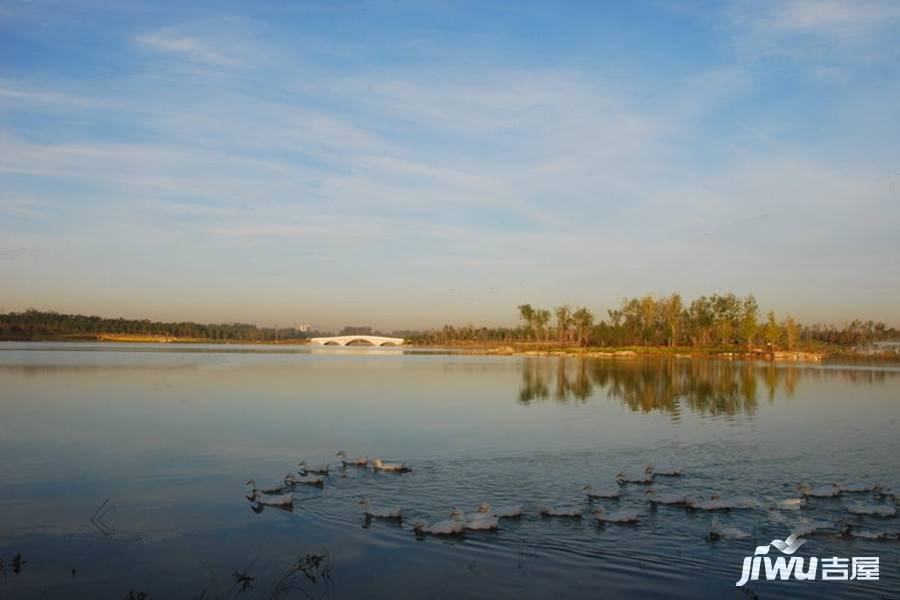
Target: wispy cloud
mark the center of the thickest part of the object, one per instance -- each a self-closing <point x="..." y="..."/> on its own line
<point x="192" y="49"/>
<point x="830" y="39"/>
<point x="14" y="95"/>
<point x="831" y="17"/>
<point x="550" y="180"/>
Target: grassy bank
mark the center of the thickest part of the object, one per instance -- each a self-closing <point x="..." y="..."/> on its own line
<point x="630" y="352"/>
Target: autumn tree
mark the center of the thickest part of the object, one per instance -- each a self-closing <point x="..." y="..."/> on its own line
<point x="790" y="332"/>
<point x="772" y="331"/>
<point x="563" y="322"/>
<point x="673" y="311"/>
<point x="584" y="321"/>
<point x="749" y="320"/>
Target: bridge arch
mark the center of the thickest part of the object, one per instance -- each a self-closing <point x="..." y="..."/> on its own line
<point x="356" y="340"/>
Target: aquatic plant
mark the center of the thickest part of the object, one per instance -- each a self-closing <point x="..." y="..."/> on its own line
<point x="314" y="568"/>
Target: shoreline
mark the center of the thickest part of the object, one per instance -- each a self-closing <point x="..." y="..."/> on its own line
<point x="527" y="349"/>
<point x="649" y="352"/>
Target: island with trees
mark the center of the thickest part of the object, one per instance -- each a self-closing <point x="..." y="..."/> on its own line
<point x="715" y="324"/>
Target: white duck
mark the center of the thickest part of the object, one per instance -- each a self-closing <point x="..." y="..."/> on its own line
<point x="874" y="510"/>
<point x="617" y="516"/>
<point x="666" y="471"/>
<point x="718" y="532"/>
<point x="477" y="521"/>
<point x="316" y="480"/>
<point x="788" y="503"/>
<point x="275" y="488"/>
<point x="716" y="502"/>
<point x="509" y="511"/>
<point x="857" y="488"/>
<point x="570" y="512"/>
<point x="393" y="513"/>
<point x="346" y="461"/>
<point x="849" y="529"/>
<point x="271" y="500"/>
<point x="743" y="502"/>
<point x="452" y="526"/>
<point x="810" y="527"/>
<point x="622" y="478"/>
<point x="881" y="493"/>
<point x="607" y="493"/>
<point x="380" y="465"/>
<point x="822" y="491"/>
<point x="668" y="498"/>
<point x="308" y="469"/>
<point x="776" y="516"/>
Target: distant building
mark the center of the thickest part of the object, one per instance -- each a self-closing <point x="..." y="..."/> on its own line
<point x="304" y="328"/>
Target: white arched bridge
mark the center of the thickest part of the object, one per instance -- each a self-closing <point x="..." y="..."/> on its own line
<point x="346" y="340"/>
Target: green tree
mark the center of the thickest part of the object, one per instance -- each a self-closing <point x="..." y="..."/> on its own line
<point x="527" y="314"/>
<point x="749" y="320"/>
<point x="772" y="331"/>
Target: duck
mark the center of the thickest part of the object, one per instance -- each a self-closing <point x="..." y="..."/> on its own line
<point x="477" y="521"/>
<point x="308" y="469"/>
<point x="393" y="513"/>
<point x="290" y="479"/>
<point x="745" y="502"/>
<point x="873" y="535"/>
<point x="858" y="488"/>
<point x="849" y="530"/>
<point x="618" y="516"/>
<point x="380" y="465"/>
<point x="716" y="502"/>
<point x="622" y="478"/>
<point x="666" y="471"/>
<point x="263" y="499"/>
<point x="822" y="491"/>
<point x="275" y="488"/>
<point x="608" y="493"/>
<point x="881" y="493"/>
<point x="452" y="526"/>
<point x="874" y="510"/>
<point x="810" y="527"/>
<point x="668" y="498"/>
<point x="717" y="532"/>
<point x="509" y="511"/>
<point x="569" y="512"/>
<point x="788" y="503"/>
<point x="776" y="516"/>
<point x="346" y="461"/>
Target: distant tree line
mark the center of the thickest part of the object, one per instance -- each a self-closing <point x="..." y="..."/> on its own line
<point x="34" y="324"/>
<point x="716" y="320"/>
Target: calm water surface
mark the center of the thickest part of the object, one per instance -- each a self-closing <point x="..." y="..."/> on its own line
<point x="161" y="440"/>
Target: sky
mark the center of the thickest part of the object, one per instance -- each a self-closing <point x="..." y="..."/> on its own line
<point x="408" y="164"/>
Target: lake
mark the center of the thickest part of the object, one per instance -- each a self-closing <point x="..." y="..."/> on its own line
<point x="123" y="471"/>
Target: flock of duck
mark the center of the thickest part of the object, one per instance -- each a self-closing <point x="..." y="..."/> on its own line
<point x="487" y="517"/>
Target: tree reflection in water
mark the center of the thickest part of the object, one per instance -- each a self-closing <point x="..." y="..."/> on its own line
<point x="711" y="387"/>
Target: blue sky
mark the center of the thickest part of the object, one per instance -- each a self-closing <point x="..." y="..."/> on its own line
<point x="406" y="164"/>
